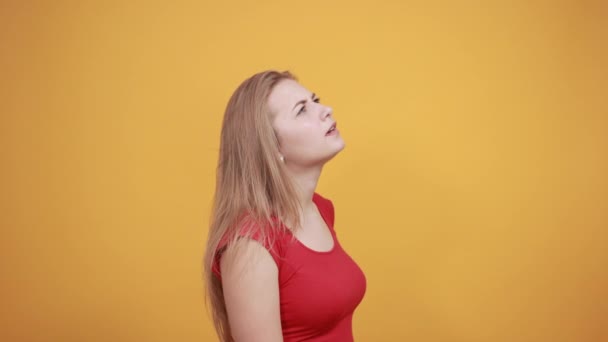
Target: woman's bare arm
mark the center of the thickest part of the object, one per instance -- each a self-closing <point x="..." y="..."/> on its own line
<point x="251" y="292"/>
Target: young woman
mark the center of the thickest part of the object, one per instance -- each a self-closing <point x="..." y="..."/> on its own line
<point x="274" y="268"/>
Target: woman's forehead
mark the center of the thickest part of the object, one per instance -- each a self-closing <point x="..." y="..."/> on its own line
<point x="286" y="94"/>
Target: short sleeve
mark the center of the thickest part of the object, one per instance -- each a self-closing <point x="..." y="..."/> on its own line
<point x="268" y="236"/>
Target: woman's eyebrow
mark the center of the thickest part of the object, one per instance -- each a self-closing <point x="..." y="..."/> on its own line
<point x="313" y="96"/>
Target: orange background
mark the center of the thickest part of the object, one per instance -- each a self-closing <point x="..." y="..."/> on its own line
<point x="473" y="190"/>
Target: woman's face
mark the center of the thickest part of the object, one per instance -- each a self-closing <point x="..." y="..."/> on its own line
<point x="306" y="129"/>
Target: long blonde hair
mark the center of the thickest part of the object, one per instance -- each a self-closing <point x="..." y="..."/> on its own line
<point x="251" y="181"/>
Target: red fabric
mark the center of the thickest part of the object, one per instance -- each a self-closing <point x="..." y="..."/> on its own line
<point x="319" y="291"/>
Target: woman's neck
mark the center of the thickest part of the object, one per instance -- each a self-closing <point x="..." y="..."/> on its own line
<point x="306" y="183"/>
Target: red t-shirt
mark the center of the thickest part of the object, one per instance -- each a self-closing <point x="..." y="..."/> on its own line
<point x="318" y="291"/>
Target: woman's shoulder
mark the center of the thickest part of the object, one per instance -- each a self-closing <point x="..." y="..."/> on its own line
<point x="270" y="235"/>
<point x="262" y="230"/>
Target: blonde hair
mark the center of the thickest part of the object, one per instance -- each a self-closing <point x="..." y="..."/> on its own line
<point x="251" y="183"/>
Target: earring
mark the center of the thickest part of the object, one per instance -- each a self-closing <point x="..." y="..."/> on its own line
<point x="282" y="159"/>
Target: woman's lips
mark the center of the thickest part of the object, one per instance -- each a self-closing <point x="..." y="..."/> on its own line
<point x="333" y="130"/>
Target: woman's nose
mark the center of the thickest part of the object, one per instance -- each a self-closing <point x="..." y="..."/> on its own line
<point x="326" y="112"/>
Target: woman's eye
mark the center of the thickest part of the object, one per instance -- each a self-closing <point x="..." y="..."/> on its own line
<point x="302" y="110"/>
